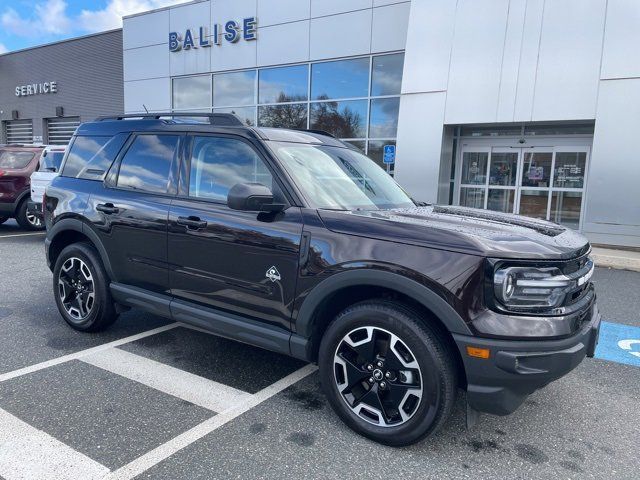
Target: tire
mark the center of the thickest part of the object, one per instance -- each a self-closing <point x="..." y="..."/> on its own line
<point x="27" y="220"/>
<point x="3" y="219"/>
<point x="415" y="383"/>
<point x="79" y="267"/>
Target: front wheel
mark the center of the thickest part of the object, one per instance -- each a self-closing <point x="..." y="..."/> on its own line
<point x="28" y="220"/>
<point x="388" y="375"/>
<point x="81" y="289"/>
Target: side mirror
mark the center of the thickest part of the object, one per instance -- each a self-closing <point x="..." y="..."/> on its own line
<point x="252" y="197"/>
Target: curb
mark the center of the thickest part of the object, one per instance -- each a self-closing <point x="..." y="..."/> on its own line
<point x="617" y="259"/>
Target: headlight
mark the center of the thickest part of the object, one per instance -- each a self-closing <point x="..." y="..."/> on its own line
<point x="531" y="288"/>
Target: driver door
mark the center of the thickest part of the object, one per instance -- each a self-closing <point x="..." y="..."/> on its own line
<point x="241" y="262"/>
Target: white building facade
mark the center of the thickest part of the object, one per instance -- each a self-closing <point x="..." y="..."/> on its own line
<point x="524" y="106"/>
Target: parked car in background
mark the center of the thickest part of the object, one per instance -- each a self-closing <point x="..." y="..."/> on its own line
<point x="49" y="168"/>
<point x="17" y="163"/>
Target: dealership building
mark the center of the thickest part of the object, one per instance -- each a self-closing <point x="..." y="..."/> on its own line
<point x="523" y="106"/>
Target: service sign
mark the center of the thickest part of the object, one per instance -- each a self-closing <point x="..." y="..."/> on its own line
<point x="36" y="89"/>
<point x="231" y="32"/>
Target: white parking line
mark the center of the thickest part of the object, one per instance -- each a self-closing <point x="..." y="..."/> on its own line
<point x="28" y="453"/>
<point x="83" y="353"/>
<point x="185" y="439"/>
<point x="22" y="234"/>
<point x="187" y="386"/>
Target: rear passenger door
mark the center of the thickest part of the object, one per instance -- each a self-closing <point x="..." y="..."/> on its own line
<point x="130" y="213"/>
<point x="242" y="262"/>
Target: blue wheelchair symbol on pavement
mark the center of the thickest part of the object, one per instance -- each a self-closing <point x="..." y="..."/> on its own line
<point x="389" y="154"/>
<point x="619" y="343"/>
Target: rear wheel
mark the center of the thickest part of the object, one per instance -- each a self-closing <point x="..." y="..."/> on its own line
<point x="27" y="220"/>
<point x="81" y="289"/>
<point x="386" y="374"/>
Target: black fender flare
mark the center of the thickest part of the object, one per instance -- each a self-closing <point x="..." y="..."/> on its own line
<point x="378" y="278"/>
<point x="66" y="224"/>
<point x="24" y="195"/>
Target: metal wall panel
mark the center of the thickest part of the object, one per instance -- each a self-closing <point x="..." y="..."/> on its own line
<point x="88" y="73"/>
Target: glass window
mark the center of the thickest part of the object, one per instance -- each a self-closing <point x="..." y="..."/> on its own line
<point x="472" y="197"/>
<point x="234" y="89"/>
<point x="569" y="169"/>
<point x="536" y="169"/>
<point x="217" y="164"/>
<point x="246" y="114"/>
<point x="503" y="168"/>
<point x="384" y="117"/>
<point x="91" y="157"/>
<point x="533" y="203"/>
<point x="565" y="208"/>
<point x="342" y="119"/>
<point x="51" y="161"/>
<point x="387" y="75"/>
<point x="474" y="168"/>
<point x="290" y="115"/>
<point x="340" y="79"/>
<point x="376" y="151"/>
<point x="359" y="144"/>
<point x="192" y="92"/>
<point x="285" y="84"/>
<point x="501" y="200"/>
<point x="14" y="159"/>
<point x="340" y="178"/>
<point x="147" y="164"/>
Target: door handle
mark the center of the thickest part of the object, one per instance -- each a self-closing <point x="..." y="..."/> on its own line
<point x="192" y="223"/>
<point x="107" y="208"/>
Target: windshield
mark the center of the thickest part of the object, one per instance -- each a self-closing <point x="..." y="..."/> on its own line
<point x="339" y="178"/>
<point x="15" y="160"/>
<point x="51" y="161"/>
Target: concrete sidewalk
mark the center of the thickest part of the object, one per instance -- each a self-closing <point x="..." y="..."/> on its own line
<point x="620" y="259"/>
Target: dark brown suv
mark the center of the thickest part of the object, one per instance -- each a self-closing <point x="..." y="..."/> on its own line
<point x="17" y="163"/>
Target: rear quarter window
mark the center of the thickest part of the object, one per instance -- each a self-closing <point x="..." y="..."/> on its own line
<point x="90" y="157"/>
<point x="15" y="160"/>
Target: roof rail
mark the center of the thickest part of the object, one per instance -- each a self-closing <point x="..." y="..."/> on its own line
<point x="317" y="131"/>
<point x="222" y="119"/>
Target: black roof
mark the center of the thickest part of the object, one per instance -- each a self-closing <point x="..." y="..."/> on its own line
<point x="201" y="123"/>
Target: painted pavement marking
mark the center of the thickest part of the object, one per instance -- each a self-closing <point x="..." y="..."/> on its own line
<point x="619" y="343"/>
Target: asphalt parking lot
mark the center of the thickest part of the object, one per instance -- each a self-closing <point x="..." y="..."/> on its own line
<point x="153" y="399"/>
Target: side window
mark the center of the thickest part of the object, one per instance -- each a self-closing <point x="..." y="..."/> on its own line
<point x="217" y="164"/>
<point x="91" y="157"/>
<point x="147" y="164"/>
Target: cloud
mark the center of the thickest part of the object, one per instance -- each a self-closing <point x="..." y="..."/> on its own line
<point x="48" y="18"/>
<point x="3" y="49"/>
<point x="111" y="16"/>
<point x="51" y="17"/>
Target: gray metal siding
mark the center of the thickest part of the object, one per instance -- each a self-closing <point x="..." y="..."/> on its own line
<point x="88" y="72"/>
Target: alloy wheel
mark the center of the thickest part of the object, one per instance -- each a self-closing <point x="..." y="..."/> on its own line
<point x="33" y="220"/>
<point x="378" y="376"/>
<point x="76" y="288"/>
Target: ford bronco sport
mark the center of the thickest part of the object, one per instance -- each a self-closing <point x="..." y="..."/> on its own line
<point x="296" y="242"/>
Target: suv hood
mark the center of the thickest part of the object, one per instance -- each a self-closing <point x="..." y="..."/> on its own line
<point x="467" y="230"/>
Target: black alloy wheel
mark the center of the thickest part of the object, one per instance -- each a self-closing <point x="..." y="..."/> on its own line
<point x="388" y="373"/>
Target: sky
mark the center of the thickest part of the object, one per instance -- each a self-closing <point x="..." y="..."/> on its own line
<point x="26" y="23"/>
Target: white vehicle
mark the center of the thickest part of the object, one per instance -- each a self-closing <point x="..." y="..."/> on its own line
<point x="50" y="162"/>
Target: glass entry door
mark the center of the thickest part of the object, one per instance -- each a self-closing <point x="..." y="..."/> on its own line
<point x="540" y="182"/>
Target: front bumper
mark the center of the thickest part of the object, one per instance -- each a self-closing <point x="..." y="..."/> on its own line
<point x="517" y="368"/>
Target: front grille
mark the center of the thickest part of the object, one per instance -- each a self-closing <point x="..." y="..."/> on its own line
<point x="580" y="269"/>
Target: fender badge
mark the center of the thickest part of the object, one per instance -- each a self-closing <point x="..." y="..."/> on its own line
<point x="273" y="274"/>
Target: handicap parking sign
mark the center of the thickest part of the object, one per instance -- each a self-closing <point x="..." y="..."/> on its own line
<point x="389" y="154"/>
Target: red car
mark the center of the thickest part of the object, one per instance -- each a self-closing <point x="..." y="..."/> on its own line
<point x="17" y="163"/>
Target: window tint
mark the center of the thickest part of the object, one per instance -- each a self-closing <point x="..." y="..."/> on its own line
<point x="192" y="92"/>
<point x="387" y="75"/>
<point x="147" y="163"/>
<point x="51" y="161"/>
<point x="217" y="164"/>
<point x="285" y="84"/>
<point x="340" y="79"/>
<point x="11" y="159"/>
<point x="91" y="157"/>
<point x="234" y="89"/>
